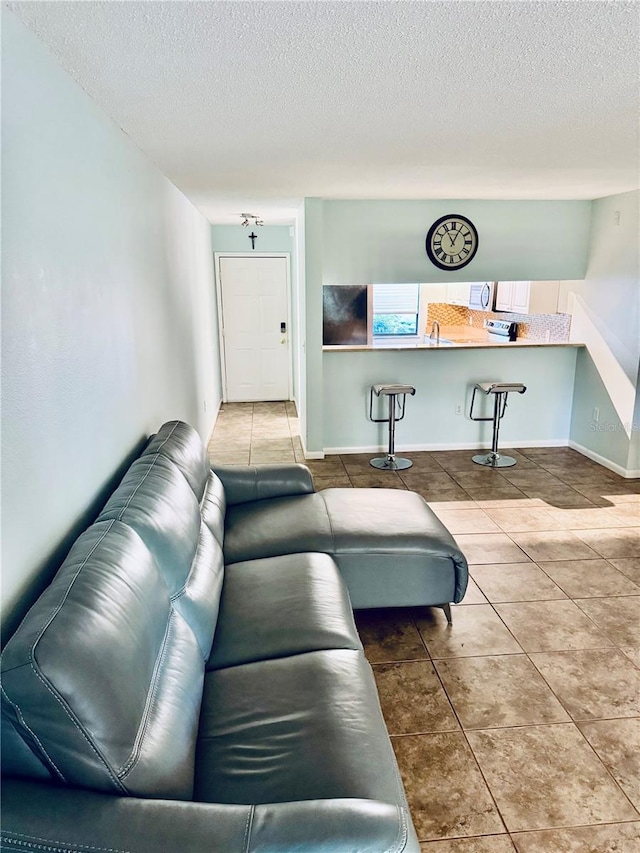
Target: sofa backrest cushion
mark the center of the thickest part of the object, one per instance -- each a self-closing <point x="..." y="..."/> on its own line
<point x="156" y="500"/>
<point x="103" y="679"/>
<point x="180" y="443"/>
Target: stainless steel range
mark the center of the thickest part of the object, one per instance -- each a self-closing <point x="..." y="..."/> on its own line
<point x="501" y="331"/>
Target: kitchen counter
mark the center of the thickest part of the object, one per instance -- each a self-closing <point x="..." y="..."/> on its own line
<point x="451" y="337"/>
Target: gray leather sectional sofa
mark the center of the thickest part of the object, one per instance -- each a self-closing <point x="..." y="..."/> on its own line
<point x="156" y="699"/>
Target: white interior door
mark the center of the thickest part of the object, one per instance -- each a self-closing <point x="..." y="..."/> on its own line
<point x="255" y="328"/>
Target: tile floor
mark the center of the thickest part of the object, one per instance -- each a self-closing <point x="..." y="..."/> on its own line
<point x="518" y="728"/>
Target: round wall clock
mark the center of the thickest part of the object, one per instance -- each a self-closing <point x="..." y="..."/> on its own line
<point x="452" y="241"/>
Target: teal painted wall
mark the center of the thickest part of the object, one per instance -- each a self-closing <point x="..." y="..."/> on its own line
<point x="384" y="241"/>
<point x="443" y="379"/>
<point x="107" y="310"/>
<point x="611" y="291"/>
<point x="235" y="238"/>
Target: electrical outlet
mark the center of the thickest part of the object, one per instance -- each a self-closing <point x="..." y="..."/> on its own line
<point x="595" y="417"/>
<point x="458" y="408"/>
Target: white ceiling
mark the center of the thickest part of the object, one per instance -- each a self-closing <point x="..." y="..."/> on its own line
<point x="255" y="105"/>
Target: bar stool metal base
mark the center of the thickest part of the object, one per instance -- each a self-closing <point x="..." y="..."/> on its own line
<point x="494" y="460"/>
<point x="390" y="463"/>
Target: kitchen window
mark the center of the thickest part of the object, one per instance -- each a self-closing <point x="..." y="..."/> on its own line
<point x="396" y="309"/>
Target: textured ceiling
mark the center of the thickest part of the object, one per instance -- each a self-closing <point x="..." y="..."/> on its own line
<point x="255" y="105"/>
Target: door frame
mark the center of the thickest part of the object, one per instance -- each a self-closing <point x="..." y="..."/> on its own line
<point x="221" y="345"/>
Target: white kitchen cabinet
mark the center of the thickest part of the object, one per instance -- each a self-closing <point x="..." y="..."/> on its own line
<point x="528" y="297"/>
<point x="458" y="293"/>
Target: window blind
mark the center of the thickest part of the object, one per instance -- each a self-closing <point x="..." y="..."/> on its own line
<point x="395" y="298"/>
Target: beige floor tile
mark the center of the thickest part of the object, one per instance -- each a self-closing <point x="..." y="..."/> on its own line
<point x="446" y="792"/>
<point x="498" y="691"/>
<point x="443" y="506"/>
<point x="440" y="495"/>
<point x="589" y="578"/>
<point x="473" y="594"/>
<point x="476" y="630"/>
<point x="229" y="458"/>
<point x="619" y="618"/>
<point x="389" y="635"/>
<point x="338" y="481"/>
<point x="480" y="844"/>
<point x="412" y="698"/>
<point x="468" y="521"/>
<point x="586" y="519"/>
<point x="424" y="462"/>
<point x="592" y="684"/>
<point x="427" y="480"/>
<point x="272" y="456"/>
<point x="490" y="548"/>
<point x="617" y="743"/>
<point x="613" y="838"/>
<point x="565" y="497"/>
<point x="553" y="545"/>
<point x="537" y="478"/>
<point x="624" y="542"/>
<point x="547" y="776"/>
<point x="272" y="445"/>
<point x="546" y="626"/>
<point x="511" y="503"/>
<point x="629" y="566"/>
<point x="382" y="480"/>
<point x="327" y="467"/>
<point x="514" y="520"/>
<point x="456" y="460"/>
<point x="479" y="476"/>
<point x="583" y="474"/>
<point x="482" y="493"/>
<point x="633" y="654"/>
<point x="503" y="582"/>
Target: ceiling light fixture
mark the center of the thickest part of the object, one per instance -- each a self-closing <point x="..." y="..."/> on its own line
<point x="247" y="217"/>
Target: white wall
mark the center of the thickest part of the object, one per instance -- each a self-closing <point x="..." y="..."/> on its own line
<point x="108" y="310"/>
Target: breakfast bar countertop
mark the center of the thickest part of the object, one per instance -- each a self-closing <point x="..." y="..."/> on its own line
<point x="451" y="337"/>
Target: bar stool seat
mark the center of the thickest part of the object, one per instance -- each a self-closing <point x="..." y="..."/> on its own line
<point x="392" y="391"/>
<point x="501" y="391"/>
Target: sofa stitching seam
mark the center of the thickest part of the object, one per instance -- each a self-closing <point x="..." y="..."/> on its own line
<point x="139" y="486"/>
<point x="65" y="844"/>
<point x="401" y="838"/>
<point x="142" y="729"/>
<point x="173" y="429"/>
<point x="32" y="733"/>
<point x="82" y="731"/>
<point x="247" y="830"/>
<point x="326" y="509"/>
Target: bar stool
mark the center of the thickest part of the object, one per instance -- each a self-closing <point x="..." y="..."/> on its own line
<point x="389" y="462"/>
<point x="500" y="391"/>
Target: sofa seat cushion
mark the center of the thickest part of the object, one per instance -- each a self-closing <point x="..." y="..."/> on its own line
<point x="296" y="728"/>
<point x="282" y="606"/>
<point x="391" y="548"/>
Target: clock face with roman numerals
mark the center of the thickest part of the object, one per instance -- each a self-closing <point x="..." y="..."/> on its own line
<point x="452" y="241"/>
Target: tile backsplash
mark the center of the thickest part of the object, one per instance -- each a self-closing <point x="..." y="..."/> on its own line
<point x="551" y="328"/>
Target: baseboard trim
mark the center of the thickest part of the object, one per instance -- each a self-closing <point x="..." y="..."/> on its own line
<point x="408" y="448"/>
<point x="628" y="474"/>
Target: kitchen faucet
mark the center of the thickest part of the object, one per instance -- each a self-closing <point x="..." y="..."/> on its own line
<point x="435" y="327"/>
